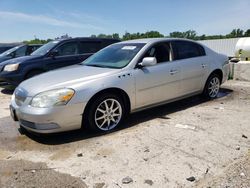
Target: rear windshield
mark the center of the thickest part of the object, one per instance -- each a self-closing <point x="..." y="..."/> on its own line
<point x="114" y="56"/>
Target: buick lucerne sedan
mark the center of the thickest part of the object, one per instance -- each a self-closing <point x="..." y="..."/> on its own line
<point x="120" y="79"/>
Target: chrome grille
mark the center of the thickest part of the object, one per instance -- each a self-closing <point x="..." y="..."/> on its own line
<point x="20" y="96"/>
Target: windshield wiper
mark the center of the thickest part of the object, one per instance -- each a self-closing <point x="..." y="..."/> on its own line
<point x="97" y="65"/>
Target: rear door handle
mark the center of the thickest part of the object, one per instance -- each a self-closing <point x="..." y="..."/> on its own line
<point x="172" y="72"/>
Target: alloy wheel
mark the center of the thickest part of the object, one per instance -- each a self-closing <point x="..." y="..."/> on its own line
<point x="108" y="114"/>
<point x="213" y="87"/>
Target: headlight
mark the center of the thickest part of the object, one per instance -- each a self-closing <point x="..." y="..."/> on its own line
<point x="51" y="98"/>
<point x="11" y="67"/>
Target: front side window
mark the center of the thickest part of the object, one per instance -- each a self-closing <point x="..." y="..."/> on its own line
<point x="187" y="49"/>
<point x="89" y="47"/>
<point x="114" y="56"/>
<point x="45" y="48"/>
<point x="21" y="51"/>
<point x="160" y="51"/>
<point x="66" y="49"/>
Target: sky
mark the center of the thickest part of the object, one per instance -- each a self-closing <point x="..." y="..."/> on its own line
<point x="26" y="19"/>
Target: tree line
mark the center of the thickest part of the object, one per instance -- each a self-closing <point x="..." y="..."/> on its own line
<point x="190" y="34"/>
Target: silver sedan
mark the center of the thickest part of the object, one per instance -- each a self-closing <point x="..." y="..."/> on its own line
<point x="122" y="78"/>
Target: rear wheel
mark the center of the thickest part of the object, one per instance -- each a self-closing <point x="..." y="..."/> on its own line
<point x="105" y="113"/>
<point x="212" y="87"/>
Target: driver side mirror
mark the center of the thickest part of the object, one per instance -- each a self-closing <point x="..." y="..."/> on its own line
<point x="53" y="53"/>
<point x="148" y="61"/>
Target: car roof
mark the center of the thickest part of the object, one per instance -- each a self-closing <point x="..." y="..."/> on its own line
<point x="35" y="44"/>
<point x="153" y="40"/>
<point x="88" y="39"/>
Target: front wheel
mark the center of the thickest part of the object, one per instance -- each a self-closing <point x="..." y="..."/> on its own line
<point x="212" y="87"/>
<point x="105" y="113"/>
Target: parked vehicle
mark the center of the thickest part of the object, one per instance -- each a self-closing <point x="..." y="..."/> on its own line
<point x="123" y="78"/>
<point x="53" y="55"/>
<point x="19" y="51"/>
<point x="6" y="46"/>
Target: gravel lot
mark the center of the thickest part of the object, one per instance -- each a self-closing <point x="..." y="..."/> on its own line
<point x="204" y="141"/>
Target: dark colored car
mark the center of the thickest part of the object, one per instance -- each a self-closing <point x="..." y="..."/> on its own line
<point x="4" y="48"/>
<point x="19" y="51"/>
<point x="53" y="55"/>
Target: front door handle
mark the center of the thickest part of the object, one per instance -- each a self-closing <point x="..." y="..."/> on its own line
<point x="204" y="65"/>
<point x="172" y="72"/>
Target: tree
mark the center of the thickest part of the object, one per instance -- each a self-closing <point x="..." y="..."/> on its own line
<point x="176" y="34"/>
<point x="190" y="34"/>
<point x="247" y="33"/>
<point x="126" y="36"/>
<point x="235" y="33"/>
<point x="37" y="41"/>
<point x="115" y="36"/>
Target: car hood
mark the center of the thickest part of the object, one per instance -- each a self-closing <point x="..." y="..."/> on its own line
<point x="20" y="60"/>
<point x="65" y="77"/>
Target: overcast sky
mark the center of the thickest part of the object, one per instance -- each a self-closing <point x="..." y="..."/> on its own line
<point x="24" y="19"/>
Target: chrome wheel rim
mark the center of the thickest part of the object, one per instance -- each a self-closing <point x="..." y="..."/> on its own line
<point x="213" y="87"/>
<point x="108" y="114"/>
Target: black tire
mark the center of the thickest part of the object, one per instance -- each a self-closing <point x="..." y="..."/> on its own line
<point x="207" y="92"/>
<point x="92" y="114"/>
<point x="33" y="73"/>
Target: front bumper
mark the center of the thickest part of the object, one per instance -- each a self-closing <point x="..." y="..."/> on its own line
<point x="10" y="79"/>
<point x="48" y="120"/>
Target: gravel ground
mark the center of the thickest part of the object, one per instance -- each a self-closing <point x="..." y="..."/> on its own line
<point x="206" y="142"/>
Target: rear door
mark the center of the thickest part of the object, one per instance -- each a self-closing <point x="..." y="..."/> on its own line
<point x="158" y="83"/>
<point x="193" y="62"/>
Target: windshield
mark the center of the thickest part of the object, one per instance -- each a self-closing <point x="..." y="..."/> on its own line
<point x="115" y="56"/>
<point x="10" y="51"/>
<point x="45" y="48"/>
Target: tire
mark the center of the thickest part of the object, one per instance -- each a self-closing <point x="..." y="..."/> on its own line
<point x="33" y="73"/>
<point x="212" y="87"/>
<point x="105" y="113"/>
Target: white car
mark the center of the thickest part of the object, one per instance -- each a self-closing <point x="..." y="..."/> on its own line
<point x="120" y="79"/>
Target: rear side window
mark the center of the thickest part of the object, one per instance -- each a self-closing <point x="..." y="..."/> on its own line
<point x="106" y="43"/>
<point x="69" y="48"/>
<point x="31" y="49"/>
<point x="89" y="47"/>
<point x="186" y="49"/>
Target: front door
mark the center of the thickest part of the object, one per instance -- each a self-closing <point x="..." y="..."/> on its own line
<point x="158" y="83"/>
<point x="67" y="54"/>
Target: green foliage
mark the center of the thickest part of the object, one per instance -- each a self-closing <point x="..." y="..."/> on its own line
<point x="247" y="33"/>
<point x="235" y="33"/>
<point x="37" y="41"/>
<point x="190" y="34"/>
<point x="149" y="34"/>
